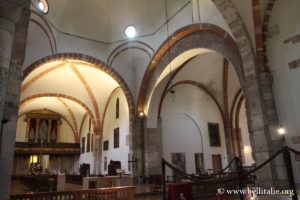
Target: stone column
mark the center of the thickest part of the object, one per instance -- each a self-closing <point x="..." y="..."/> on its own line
<point x="137" y="148"/>
<point x="6" y="160"/>
<point x="9" y="15"/>
<point x="14" y="19"/>
<point x="97" y="153"/>
<point x="264" y="140"/>
<point x="272" y="124"/>
<point x="153" y="149"/>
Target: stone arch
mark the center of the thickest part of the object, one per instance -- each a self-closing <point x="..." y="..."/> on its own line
<point x="187" y="38"/>
<point x="265" y="29"/>
<point x="261" y="112"/>
<point x="92" y="62"/>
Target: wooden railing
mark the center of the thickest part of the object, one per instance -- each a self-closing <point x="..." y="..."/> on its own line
<point x="38" y="183"/>
<point x="47" y="148"/>
<point x="114" y="193"/>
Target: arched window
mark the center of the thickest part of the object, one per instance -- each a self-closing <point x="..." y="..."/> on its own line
<point x="117" y="108"/>
<point x="43" y="6"/>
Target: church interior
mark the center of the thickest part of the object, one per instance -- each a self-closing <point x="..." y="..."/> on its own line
<point x="139" y="99"/>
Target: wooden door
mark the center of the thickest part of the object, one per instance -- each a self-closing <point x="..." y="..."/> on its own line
<point x="217" y="163"/>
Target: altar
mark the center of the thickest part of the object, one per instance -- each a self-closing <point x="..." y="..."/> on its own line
<point x="107" y="181"/>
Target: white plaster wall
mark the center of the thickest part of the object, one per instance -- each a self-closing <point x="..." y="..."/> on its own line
<point x="72" y="44"/>
<point x="37" y="45"/>
<point x="87" y="157"/>
<point x="180" y="134"/>
<point x="131" y="65"/>
<point x="110" y="123"/>
<point x="208" y="14"/>
<point x="286" y="82"/>
<point x="207" y="69"/>
<point x="154" y="102"/>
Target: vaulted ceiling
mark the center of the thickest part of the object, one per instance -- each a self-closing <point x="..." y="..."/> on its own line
<point x="71" y="88"/>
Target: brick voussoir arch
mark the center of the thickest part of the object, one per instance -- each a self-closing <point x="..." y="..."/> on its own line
<point x="93" y="62"/>
<point x="187" y="38"/>
<point x="23" y="101"/>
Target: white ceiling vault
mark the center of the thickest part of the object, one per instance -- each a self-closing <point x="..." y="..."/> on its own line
<point x="69" y="87"/>
<point x="71" y="16"/>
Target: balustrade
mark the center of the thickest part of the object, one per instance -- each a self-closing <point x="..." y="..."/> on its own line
<point x="113" y="193"/>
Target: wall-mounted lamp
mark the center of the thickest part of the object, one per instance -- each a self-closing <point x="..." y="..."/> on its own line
<point x="141" y="114"/>
<point x="281" y="130"/>
<point x="246" y="149"/>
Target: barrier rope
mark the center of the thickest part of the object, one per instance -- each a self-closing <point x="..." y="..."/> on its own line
<point x="236" y="178"/>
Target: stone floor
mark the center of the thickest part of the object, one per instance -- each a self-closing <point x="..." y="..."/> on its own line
<point x="143" y="193"/>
